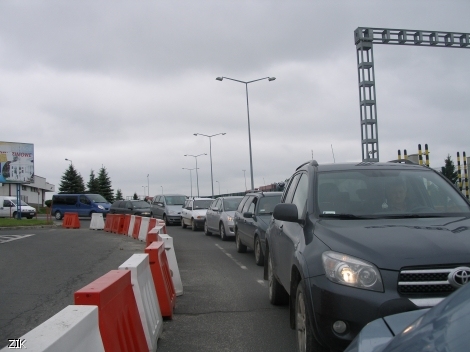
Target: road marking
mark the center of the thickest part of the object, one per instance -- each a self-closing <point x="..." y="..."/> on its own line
<point x="231" y="257"/>
<point x="9" y="238"/>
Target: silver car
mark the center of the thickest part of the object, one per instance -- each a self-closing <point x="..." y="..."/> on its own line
<point x="219" y="217"/>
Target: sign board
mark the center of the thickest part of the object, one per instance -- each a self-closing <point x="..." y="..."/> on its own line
<point x="16" y="162"/>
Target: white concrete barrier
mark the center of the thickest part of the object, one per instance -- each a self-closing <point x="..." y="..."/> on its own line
<point x="73" y="329"/>
<point x="171" y="256"/>
<point x="146" y="297"/>
<point x="131" y="226"/>
<point x="144" y="228"/>
<point x="97" y="221"/>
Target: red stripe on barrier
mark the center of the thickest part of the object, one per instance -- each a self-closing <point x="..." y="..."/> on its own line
<point x="135" y="231"/>
<point x="162" y="278"/>
<point x="125" y="226"/>
<point x="71" y="221"/>
<point x="119" y="321"/>
<point x="109" y="222"/>
<point x="118" y="223"/>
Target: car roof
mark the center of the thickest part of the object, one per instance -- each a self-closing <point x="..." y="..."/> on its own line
<point x="263" y="194"/>
<point x="391" y="165"/>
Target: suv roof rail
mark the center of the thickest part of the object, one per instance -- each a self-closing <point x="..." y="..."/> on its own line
<point x="403" y="161"/>
<point x="311" y="163"/>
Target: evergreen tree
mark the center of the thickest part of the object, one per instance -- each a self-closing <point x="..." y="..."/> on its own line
<point x="71" y="181"/>
<point x="93" y="184"/>
<point x="449" y="170"/>
<point x="135" y="197"/>
<point x="105" y="185"/>
<point x="118" y="195"/>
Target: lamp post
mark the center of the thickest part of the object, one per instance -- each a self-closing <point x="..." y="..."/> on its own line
<point x="190" y="179"/>
<point x="210" y="154"/>
<point x="162" y="189"/>
<point x="248" y="112"/>
<point x="219" y="186"/>
<point x="144" y="190"/>
<point x="197" y="176"/>
<point x="245" y="178"/>
<point x="69" y="160"/>
<point x="148" y="186"/>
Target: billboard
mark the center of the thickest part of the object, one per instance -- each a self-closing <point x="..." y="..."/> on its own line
<point x="16" y="162"/>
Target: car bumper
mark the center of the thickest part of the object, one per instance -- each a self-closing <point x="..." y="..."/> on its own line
<point x="174" y="219"/>
<point x="356" y="307"/>
<point x="199" y="222"/>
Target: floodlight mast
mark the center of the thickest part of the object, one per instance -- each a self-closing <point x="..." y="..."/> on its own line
<point x="364" y="38"/>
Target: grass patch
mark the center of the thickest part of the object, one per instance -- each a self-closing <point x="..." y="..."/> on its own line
<point x="9" y="222"/>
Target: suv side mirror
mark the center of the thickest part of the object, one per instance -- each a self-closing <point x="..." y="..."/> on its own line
<point x="286" y="212"/>
<point x="248" y="215"/>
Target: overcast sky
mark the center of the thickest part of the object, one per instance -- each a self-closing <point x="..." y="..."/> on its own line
<point x="126" y="84"/>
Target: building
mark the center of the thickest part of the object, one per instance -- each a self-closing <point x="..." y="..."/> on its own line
<point x="32" y="193"/>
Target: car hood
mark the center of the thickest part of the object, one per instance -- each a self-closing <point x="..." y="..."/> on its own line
<point x="176" y="208"/>
<point x="27" y="208"/>
<point x="200" y="212"/>
<point x="396" y="243"/>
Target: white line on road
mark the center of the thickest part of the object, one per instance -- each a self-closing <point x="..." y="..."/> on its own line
<point x="231" y="257"/>
<point x="9" y="238"/>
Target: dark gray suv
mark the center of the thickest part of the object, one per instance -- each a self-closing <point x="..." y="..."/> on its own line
<point x="350" y="243"/>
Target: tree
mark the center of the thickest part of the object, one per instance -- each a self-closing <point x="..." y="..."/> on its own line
<point x="105" y="185"/>
<point x="71" y="181"/>
<point x="93" y="184"/>
<point x="118" y="195"/>
<point x="449" y="170"/>
<point x="135" y="197"/>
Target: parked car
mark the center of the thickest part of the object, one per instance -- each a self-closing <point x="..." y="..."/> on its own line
<point x="168" y="207"/>
<point x="219" y="217"/>
<point x="251" y="220"/>
<point x="194" y="212"/>
<point x="9" y="208"/>
<point x="351" y="243"/>
<point x="82" y="204"/>
<point x="444" y="327"/>
<point x="133" y="207"/>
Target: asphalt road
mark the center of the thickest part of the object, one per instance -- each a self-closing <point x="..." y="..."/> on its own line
<point x="224" y="306"/>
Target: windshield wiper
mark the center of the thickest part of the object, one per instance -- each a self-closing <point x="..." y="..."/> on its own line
<point x="344" y="216"/>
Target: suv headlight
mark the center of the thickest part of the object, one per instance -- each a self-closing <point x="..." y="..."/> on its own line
<point x="346" y="270"/>
<point x="100" y="207"/>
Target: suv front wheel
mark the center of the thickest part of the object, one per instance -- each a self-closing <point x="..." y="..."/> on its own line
<point x="259" y="256"/>
<point x="303" y="325"/>
<point x="277" y="294"/>
<point x="241" y="248"/>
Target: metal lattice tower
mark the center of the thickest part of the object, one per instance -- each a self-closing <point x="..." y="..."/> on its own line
<point x="364" y="39"/>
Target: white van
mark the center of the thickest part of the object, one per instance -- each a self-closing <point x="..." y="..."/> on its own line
<point x="9" y="208"/>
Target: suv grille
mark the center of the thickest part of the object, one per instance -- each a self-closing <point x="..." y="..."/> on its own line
<point x="425" y="282"/>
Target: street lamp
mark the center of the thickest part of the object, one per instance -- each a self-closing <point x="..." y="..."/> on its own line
<point x="248" y="111"/>
<point x="144" y="190"/>
<point x="162" y="189"/>
<point x="219" y="186"/>
<point x="197" y="176"/>
<point x="148" y="186"/>
<point x="69" y="160"/>
<point x="245" y="178"/>
<point x="190" y="179"/>
<point x="210" y="153"/>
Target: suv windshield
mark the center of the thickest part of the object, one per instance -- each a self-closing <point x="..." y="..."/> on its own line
<point x="231" y="204"/>
<point x="267" y="204"/>
<point x="202" y="204"/>
<point x="175" y="200"/>
<point x="387" y="192"/>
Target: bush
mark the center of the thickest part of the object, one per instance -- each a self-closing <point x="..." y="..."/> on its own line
<point x="48" y="203"/>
